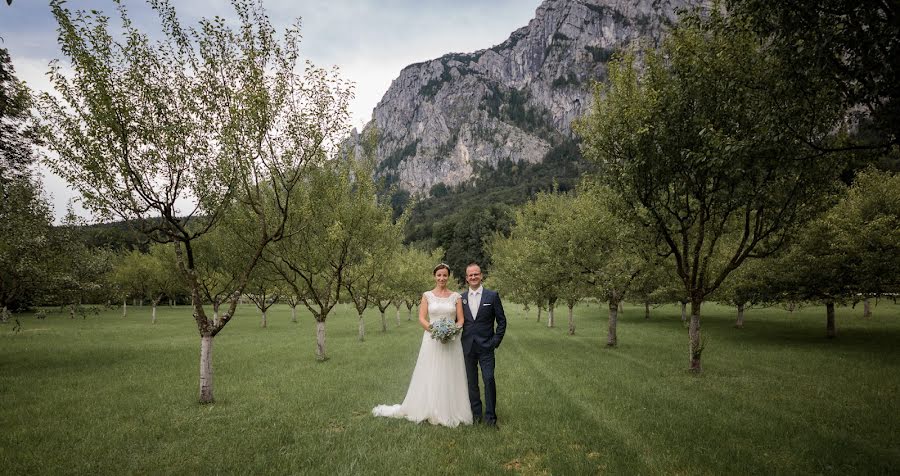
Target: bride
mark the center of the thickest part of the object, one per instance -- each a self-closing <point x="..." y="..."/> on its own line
<point x="437" y="391"/>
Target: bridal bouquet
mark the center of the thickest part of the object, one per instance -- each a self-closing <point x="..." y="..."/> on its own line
<point x="444" y="330"/>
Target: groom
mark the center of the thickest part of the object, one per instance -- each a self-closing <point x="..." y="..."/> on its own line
<point x="481" y="310"/>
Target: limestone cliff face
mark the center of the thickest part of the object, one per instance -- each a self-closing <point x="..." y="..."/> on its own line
<point x="444" y="119"/>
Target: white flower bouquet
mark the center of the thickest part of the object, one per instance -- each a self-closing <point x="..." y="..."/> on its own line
<point x="444" y="330"/>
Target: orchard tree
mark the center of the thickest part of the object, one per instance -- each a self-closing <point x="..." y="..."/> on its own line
<point x="381" y="252"/>
<point x="852" y="250"/>
<point x="338" y="212"/>
<point x="749" y="286"/>
<point x="174" y="134"/>
<point x="264" y="290"/>
<point x="130" y="272"/>
<point x="413" y="275"/>
<point x="163" y="278"/>
<point x="868" y="219"/>
<point x="708" y="137"/>
<point x="78" y="274"/>
<point x="25" y="215"/>
<point x="609" y="252"/>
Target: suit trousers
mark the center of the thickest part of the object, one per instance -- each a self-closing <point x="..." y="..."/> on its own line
<point x="485" y="360"/>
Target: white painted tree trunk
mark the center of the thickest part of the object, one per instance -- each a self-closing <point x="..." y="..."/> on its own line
<point x="621" y="306"/>
<point x="294" y="314"/>
<point x="398" y="317"/>
<point x="383" y="323"/>
<point x="409" y="316"/>
<point x="142" y="302"/>
<point x="320" y="341"/>
<point x="740" y="317"/>
<point x="124" y="307"/>
<point x="867" y="307"/>
<point x="539" y="314"/>
<point x="215" y="313"/>
<point x="646" y="310"/>
<point x="264" y="322"/>
<point x="571" y="321"/>
<point x="153" y="314"/>
<point x="206" y="369"/>
<point x="550" y="319"/>
<point x="362" y="328"/>
<point x="683" y="311"/>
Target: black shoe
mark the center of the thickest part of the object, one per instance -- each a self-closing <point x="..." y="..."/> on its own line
<point x="492" y="424"/>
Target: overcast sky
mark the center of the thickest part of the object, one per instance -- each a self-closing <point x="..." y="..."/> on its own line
<point x="369" y="40"/>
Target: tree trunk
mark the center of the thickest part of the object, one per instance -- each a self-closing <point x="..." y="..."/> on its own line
<point x="206" y="369"/>
<point x="264" y="323"/>
<point x="539" y="314"/>
<point x="320" y="341"/>
<point x="124" y="307"/>
<point x="646" y="309"/>
<point x="153" y="314"/>
<point x="829" y="319"/>
<point x="294" y="314"/>
<point x="611" y="339"/>
<point x="171" y="303"/>
<point x="550" y="317"/>
<point x="740" y="317"/>
<point x="621" y="306"/>
<point x="409" y="315"/>
<point x="362" y="328"/>
<point x="867" y="307"/>
<point x="383" y="322"/>
<point x="683" y="311"/>
<point x="142" y="302"/>
<point x="571" y="321"/>
<point x="398" y="317"/>
<point x="696" y="346"/>
<point x="216" y="305"/>
<point x="71" y="311"/>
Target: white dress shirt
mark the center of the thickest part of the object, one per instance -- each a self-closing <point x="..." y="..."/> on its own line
<point x="475" y="300"/>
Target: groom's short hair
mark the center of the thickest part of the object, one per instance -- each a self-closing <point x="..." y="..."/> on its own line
<point x="473" y="264"/>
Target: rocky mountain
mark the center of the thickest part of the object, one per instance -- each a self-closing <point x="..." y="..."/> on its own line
<point x="448" y="119"/>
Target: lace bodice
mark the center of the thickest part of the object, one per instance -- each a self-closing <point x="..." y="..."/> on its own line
<point x="441" y="308"/>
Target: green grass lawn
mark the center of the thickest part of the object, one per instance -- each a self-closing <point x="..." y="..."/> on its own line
<point x="107" y="395"/>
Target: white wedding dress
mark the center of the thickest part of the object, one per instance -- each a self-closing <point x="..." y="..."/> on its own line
<point x="438" y="391"/>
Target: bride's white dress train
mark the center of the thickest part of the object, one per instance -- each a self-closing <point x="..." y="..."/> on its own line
<point x="438" y="392"/>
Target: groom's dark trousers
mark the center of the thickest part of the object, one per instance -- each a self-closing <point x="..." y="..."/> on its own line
<point x="481" y="335"/>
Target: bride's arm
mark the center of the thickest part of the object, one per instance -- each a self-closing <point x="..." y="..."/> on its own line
<point x="423" y="314"/>
<point x="459" y="313"/>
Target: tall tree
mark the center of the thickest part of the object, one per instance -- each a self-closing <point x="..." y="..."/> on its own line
<point x="338" y="214"/>
<point x="25" y="215"/>
<point x="208" y="121"/>
<point x="706" y="138"/>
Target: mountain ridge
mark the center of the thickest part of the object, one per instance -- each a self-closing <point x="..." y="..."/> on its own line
<point x="443" y="120"/>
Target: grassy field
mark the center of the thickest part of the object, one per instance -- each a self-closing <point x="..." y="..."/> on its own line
<point x="107" y="395"/>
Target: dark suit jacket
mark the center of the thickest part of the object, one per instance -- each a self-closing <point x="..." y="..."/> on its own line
<point x="480" y="333"/>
